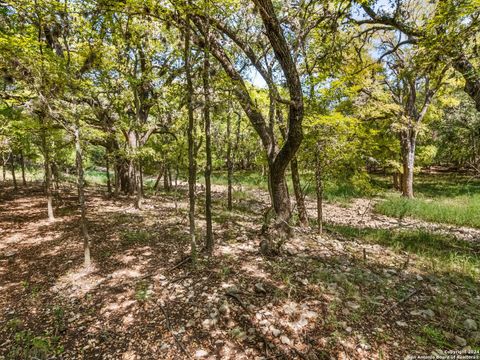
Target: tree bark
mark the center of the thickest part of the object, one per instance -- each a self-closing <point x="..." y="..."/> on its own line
<point x="408" y="144"/>
<point x="229" y="163"/>
<point x="396" y="183"/>
<point x="22" y="163"/>
<point x="81" y="197"/>
<point x="299" y="197"/>
<point x="209" y="241"/>
<point x="157" y="181"/>
<point x="48" y="172"/>
<point x="109" y="182"/>
<point x="12" y="167"/>
<point x="192" y="166"/>
<point x="319" y="191"/>
<point x="4" y="167"/>
<point x="166" y="182"/>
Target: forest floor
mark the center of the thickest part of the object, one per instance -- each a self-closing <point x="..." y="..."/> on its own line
<point x="371" y="287"/>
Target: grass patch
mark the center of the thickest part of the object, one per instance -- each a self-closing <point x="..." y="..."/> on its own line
<point x="438" y="251"/>
<point x="461" y="210"/>
<point x="136" y="237"/>
<point x="451" y="199"/>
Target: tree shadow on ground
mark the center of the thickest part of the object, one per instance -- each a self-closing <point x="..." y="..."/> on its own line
<point x="139" y="302"/>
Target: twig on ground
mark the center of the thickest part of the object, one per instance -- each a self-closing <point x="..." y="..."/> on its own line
<point x="401" y="301"/>
<point x="180" y="263"/>
<point x="167" y="323"/>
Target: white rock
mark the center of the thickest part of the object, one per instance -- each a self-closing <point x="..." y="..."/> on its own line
<point x="401" y="323"/>
<point x="285" y="340"/>
<point x="200" y="354"/>
<point x="275" y="332"/>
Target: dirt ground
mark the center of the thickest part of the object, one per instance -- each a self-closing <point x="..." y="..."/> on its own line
<point x="325" y="297"/>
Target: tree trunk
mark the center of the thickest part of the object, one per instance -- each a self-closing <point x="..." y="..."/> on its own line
<point x="280" y="198"/>
<point x="166" y="183"/>
<point x="48" y="173"/>
<point x="4" y="167"/>
<point x="229" y="163"/>
<point x="138" y="187"/>
<point x="192" y="166"/>
<point x="209" y="241"/>
<point x="408" y="144"/>
<point x="140" y="171"/>
<point x="81" y="198"/>
<point x="299" y="197"/>
<point x="109" y="183"/>
<point x="22" y="163"/>
<point x="319" y="191"/>
<point x="396" y="183"/>
<point x="12" y="164"/>
<point x="157" y="181"/>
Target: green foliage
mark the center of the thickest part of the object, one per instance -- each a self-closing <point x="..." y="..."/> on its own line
<point x="27" y="345"/>
<point x="136" y="237"/>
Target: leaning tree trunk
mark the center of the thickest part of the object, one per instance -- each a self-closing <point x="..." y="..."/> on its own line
<point x="156" y="185"/>
<point x="408" y="144"/>
<point x="12" y="164"/>
<point x="81" y="197"/>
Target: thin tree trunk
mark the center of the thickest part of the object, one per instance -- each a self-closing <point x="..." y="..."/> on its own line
<point x="4" y="167"/>
<point x="22" y="163"/>
<point x="157" y="181"/>
<point x="192" y="166"/>
<point x="166" y="183"/>
<point x="109" y="183"/>
<point x="48" y="174"/>
<point x="319" y="191"/>
<point x="396" y="183"/>
<point x="12" y="164"/>
<point x="117" y="180"/>
<point x="140" y="171"/>
<point x="299" y="197"/>
<point x="229" y="163"/>
<point x="138" y="187"/>
<point x="408" y="143"/>
<point x="81" y="198"/>
<point x="209" y="241"/>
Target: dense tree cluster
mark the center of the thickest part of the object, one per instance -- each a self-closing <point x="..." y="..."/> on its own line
<point x="302" y="91"/>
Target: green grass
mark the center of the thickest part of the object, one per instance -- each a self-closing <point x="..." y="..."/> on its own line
<point x="438" y="252"/>
<point x="451" y="199"/>
<point x="334" y="191"/>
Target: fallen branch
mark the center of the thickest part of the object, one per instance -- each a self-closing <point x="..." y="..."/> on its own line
<point x="401" y="301"/>
<point x="238" y="300"/>
<point x="181" y="262"/>
<point x="167" y="322"/>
